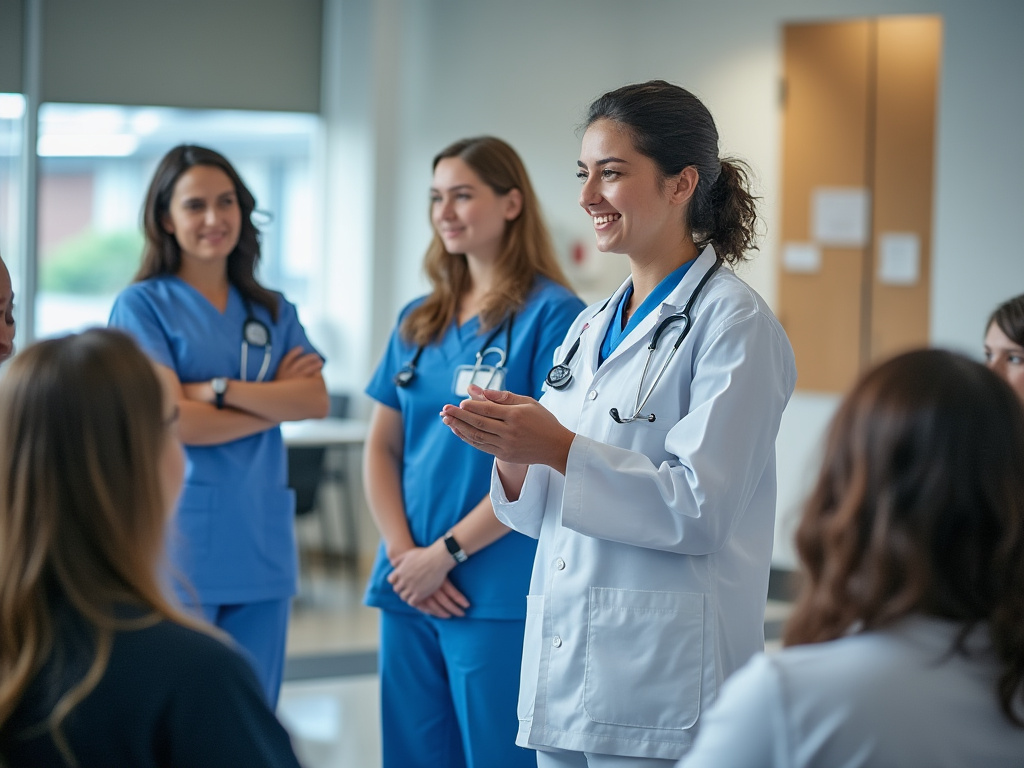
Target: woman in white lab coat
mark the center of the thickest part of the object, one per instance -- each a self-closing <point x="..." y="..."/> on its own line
<point x="647" y="469"/>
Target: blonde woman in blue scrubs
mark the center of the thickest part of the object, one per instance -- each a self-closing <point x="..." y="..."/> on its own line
<point x="239" y="362"/>
<point x="450" y="580"/>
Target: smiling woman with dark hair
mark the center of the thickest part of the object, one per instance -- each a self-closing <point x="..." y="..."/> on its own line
<point x="239" y="363"/>
<point x="906" y="647"/>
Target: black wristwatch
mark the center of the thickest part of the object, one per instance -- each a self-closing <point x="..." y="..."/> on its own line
<point x="219" y="385"/>
<point x="454" y="549"/>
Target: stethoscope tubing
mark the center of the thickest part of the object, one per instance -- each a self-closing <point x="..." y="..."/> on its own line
<point x="250" y="318"/>
<point x="407" y="373"/>
<point x="560" y="374"/>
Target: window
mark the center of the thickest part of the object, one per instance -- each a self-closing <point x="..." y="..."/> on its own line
<point x="95" y="163"/>
<point x="12" y="110"/>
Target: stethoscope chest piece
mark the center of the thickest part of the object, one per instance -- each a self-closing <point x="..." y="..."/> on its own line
<point x="256" y="333"/>
<point x="405" y="376"/>
<point x="559" y="376"/>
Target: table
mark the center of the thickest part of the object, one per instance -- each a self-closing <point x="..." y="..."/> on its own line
<point x="328" y="432"/>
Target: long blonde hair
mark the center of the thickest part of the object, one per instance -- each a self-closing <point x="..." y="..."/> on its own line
<point x="526" y="249"/>
<point x="82" y="509"/>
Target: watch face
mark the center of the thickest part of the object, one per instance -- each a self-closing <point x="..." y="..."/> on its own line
<point x="220" y="385"/>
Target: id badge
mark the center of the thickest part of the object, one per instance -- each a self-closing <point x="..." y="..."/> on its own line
<point x="485" y="376"/>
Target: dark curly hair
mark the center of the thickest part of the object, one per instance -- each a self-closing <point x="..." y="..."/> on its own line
<point x="919" y="509"/>
<point x="673" y="127"/>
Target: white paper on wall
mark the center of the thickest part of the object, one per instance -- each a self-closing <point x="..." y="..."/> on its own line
<point x="801" y="257"/>
<point x="840" y="216"/>
<point x="899" y="258"/>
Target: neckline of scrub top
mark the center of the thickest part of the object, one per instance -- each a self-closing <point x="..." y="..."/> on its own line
<point x="616" y="333"/>
<point x="227" y="305"/>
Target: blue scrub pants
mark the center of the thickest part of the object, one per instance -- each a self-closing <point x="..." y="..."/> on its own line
<point x="449" y="689"/>
<point x="261" y="629"/>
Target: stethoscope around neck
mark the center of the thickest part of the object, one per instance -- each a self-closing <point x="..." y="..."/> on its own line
<point x="560" y="375"/>
<point x="254" y="333"/>
<point x="407" y="373"/>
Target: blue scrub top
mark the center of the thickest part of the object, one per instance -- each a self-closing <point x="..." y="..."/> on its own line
<point x="442" y="477"/>
<point x="235" y="529"/>
<point x="617" y="331"/>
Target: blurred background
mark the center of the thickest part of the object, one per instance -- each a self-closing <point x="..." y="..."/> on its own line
<point x="332" y="110"/>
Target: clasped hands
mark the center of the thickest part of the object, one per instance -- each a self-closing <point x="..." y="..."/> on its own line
<point x="513" y="428"/>
<point x="420" y="578"/>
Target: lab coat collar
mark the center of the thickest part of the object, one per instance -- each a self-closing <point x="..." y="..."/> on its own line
<point x="674" y="302"/>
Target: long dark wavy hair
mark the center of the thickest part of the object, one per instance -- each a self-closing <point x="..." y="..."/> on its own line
<point x="161" y="254"/>
<point x="673" y="128"/>
<point x="919" y="509"/>
<point x="526" y="249"/>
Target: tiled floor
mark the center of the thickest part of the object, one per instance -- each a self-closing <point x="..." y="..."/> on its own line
<point x="334" y="721"/>
<point x="330" y="701"/>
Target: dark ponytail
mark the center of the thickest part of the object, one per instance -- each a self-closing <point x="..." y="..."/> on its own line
<point x="673" y="127"/>
<point x="725" y="215"/>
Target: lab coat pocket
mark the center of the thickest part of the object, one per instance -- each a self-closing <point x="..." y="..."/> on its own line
<point x="531" y="655"/>
<point x="644" y="658"/>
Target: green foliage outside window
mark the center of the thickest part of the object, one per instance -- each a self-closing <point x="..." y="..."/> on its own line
<point x="95" y="263"/>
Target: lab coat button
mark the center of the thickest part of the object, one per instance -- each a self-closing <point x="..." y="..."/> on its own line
<point x="556" y="641"/>
<point x="592" y="395"/>
<point x="560" y="564"/>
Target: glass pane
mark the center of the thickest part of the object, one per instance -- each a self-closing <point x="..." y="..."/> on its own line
<point x="95" y="163"/>
<point x="12" y="110"/>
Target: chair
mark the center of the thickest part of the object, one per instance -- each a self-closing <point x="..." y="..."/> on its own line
<point x="308" y="471"/>
<point x="305" y="474"/>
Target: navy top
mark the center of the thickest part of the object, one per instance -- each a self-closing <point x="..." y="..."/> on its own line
<point x="170" y="696"/>
<point x="443" y="478"/>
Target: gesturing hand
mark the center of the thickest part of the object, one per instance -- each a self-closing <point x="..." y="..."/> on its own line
<point x="513" y="428"/>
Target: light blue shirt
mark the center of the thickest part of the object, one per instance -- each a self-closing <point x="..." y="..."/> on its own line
<point x="235" y="534"/>
<point x="616" y="332"/>
<point x="894" y="698"/>
<point x="443" y="478"/>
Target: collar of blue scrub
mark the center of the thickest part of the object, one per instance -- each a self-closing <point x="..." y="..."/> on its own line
<point x="616" y="332"/>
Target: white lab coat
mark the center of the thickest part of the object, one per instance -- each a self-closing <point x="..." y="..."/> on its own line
<point x="651" y="575"/>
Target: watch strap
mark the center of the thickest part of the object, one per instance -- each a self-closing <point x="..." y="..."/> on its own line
<point x="220" y="386"/>
<point x="454" y="549"/>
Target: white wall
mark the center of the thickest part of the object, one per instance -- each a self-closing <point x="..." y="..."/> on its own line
<point x="526" y="70"/>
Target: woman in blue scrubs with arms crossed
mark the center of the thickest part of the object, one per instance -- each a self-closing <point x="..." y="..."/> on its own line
<point x="450" y="579"/>
<point x="239" y="362"/>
